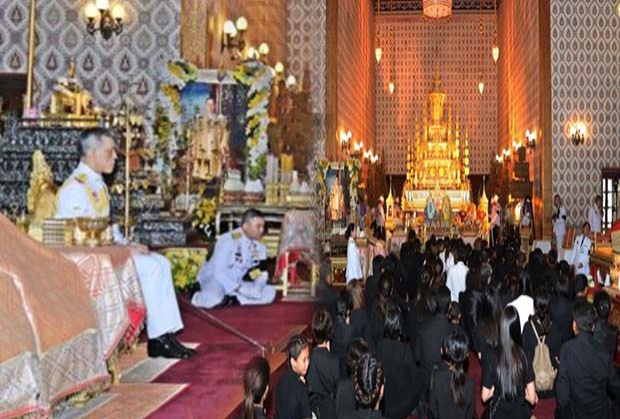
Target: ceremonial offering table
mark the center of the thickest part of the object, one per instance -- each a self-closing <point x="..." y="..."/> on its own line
<point x="50" y="345"/>
<point x="111" y="279"/>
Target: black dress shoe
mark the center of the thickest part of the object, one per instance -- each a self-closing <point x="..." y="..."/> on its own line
<point x="232" y="301"/>
<point x="180" y="346"/>
<point x="227" y="301"/>
<point x="163" y="346"/>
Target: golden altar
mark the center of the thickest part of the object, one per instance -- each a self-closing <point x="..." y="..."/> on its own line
<point x="437" y="163"/>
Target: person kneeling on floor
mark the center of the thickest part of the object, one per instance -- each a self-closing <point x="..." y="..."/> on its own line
<point x="237" y="271"/>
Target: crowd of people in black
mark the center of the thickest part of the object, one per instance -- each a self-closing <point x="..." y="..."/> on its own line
<point x="399" y="343"/>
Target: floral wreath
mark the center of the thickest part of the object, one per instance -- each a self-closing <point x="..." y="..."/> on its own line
<point x="168" y="111"/>
<point x="258" y="77"/>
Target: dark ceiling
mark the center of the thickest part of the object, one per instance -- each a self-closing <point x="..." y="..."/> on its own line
<point x="405" y="6"/>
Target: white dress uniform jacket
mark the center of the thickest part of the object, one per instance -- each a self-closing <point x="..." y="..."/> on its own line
<point x="559" y="225"/>
<point x="595" y="218"/>
<point x="234" y="255"/>
<point x="581" y="255"/>
<point x="354" y="264"/>
<point x="85" y="194"/>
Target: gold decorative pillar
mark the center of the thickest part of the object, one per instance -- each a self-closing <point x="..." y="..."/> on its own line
<point x="31" y="47"/>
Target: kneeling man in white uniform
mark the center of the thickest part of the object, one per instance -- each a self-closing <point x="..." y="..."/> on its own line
<point x="237" y="271"/>
<point x="85" y="194"/>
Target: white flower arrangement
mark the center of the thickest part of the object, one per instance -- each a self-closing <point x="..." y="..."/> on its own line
<point x="258" y="77"/>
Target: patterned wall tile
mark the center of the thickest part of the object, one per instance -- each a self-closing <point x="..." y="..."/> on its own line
<point x="412" y="64"/>
<point x="306" y="49"/>
<point x="585" y="45"/>
<point x="356" y="70"/>
<point x="150" y="38"/>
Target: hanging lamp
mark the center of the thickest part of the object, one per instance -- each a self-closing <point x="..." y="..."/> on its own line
<point x="495" y="50"/>
<point x="481" y="82"/>
<point x="378" y="50"/>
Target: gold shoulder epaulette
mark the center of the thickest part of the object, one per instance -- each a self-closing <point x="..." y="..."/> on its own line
<point x="81" y="178"/>
<point x="236" y="235"/>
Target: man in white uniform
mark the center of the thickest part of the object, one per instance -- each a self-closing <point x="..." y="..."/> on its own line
<point x="595" y="215"/>
<point x="237" y="271"/>
<point x="85" y="194"/>
<point x="581" y="251"/>
<point x="559" y="222"/>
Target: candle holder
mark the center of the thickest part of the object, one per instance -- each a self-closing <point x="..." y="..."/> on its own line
<point x="284" y="188"/>
<point x="271" y="194"/>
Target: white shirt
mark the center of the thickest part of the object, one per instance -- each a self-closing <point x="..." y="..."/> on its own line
<point x="581" y="255"/>
<point x="595" y="219"/>
<point x="457" y="276"/>
<point x="559" y="225"/>
<point x="525" y="308"/>
<point x="447" y="263"/>
<point x="354" y="265"/>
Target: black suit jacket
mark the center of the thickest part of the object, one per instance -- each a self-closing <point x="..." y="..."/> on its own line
<point x="586" y="380"/>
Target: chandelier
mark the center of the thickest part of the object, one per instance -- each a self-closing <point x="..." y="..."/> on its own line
<point x="437" y="9"/>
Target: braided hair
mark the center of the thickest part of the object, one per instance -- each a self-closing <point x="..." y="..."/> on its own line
<point x="369" y="380"/>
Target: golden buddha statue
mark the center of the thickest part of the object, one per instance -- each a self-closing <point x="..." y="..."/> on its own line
<point x="41" y="195"/>
<point x="69" y="98"/>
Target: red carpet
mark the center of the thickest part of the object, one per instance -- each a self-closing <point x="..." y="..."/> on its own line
<point x="215" y="373"/>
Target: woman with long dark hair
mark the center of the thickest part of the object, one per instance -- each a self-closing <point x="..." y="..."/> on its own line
<point x="402" y="386"/>
<point x="487" y="314"/>
<point x="540" y="327"/>
<point x="256" y="387"/>
<point x="507" y="376"/>
<point x="377" y="313"/>
<point x="453" y="393"/>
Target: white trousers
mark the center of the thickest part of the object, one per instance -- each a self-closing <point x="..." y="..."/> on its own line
<point x="559" y="241"/>
<point x="162" y="310"/>
<point x="212" y="293"/>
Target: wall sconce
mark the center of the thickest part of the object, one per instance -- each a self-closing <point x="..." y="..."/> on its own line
<point x="578" y="133"/>
<point x="344" y="141"/>
<point x="358" y="148"/>
<point x="110" y="21"/>
<point x="374" y="159"/>
<point x="531" y="139"/>
<point x="233" y="38"/>
<point x="506" y="155"/>
<point x="516" y="145"/>
<point x="367" y="155"/>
